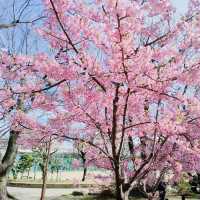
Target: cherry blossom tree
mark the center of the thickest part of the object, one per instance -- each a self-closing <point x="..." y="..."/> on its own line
<point x="12" y="110"/>
<point x="20" y="84"/>
<point x="127" y="73"/>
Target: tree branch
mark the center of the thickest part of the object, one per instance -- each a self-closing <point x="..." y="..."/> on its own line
<point x="62" y="27"/>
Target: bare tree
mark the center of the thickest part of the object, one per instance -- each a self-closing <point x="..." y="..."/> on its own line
<point x="17" y="26"/>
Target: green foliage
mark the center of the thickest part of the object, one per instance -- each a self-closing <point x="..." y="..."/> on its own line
<point x="14" y="171"/>
<point x="34" y="161"/>
<point x="55" y="164"/>
<point x="38" y="159"/>
<point x="184" y="187"/>
<point x="25" y="162"/>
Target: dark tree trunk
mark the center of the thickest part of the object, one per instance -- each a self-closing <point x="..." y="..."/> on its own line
<point x="118" y="184"/>
<point x="84" y="173"/>
<point x="162" y="195"/>
<point x="118" y="193"/>
<point x="121" y="194"/>
<point x="83" y="157"/>
<point x="183" y="197"/>
<point x="7" y="162"/>
<point x="122" y="188"/>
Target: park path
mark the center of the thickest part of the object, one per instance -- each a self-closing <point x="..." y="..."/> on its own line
<point x="34" y="193"/>
<point x="53" y="194"/>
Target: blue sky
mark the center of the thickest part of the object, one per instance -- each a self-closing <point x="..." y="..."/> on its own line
<point x="181" y="5"/>
<point x="32" y="12"/>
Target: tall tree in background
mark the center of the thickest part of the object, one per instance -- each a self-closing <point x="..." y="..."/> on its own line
<point x="46" y="153"/>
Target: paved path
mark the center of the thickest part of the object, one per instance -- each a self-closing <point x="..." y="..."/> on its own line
<point x="34" y="193"/>
<point x="53" y="194"/>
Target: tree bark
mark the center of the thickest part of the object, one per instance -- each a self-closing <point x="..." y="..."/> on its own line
<point x="45" y="171"/>
<point x="34" y="172"/>
<point x="44" y="180"/>
<point x="118" y="193"/>
<point x="82" y="155"/>
<point x="117" y="183"/>
<point x="7" y="162"/>
<point x="3" y="189"/>
<point x="125" y="195"/>
<point x="183" y="197"/>
<point x="121" y="194"/>
<point x="84" y="173"/>
<point x="122" y="190"/>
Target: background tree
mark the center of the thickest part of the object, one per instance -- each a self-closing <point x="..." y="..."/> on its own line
<point x="17" y="112"/>
<point x="55" y="165"/>
<point x="16" y="28"/>
<point x="44" y="151"/>
<point x="184" y="188"/>
<point x="24" y="164"/>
